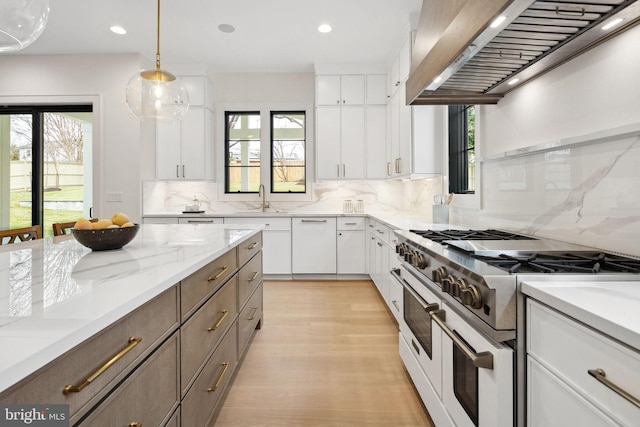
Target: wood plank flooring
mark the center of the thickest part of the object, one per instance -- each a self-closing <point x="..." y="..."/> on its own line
<point x="327" y="355"/>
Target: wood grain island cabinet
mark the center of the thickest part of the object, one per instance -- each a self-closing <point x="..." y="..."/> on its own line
<point x="167" y="363"/>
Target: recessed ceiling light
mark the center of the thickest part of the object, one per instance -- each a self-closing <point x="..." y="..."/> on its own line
<point x="496" y="22"/>
<point x="226" y="28"/>
<point x="325" y="28"/>
<point x="117" y="29"/>
<point x="513" y="81"/>
<point x="612" y="24"/>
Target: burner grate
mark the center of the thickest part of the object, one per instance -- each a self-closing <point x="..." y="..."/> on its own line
<point x="591" y="263"/>
<point x="440" y="236"/>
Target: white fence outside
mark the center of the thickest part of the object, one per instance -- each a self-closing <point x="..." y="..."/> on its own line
<point x="64" y="175"/>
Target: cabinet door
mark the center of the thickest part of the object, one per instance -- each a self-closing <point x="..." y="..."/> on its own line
<point x="193" y="144"/>
<point x="314" y="245"/>
<point x="168" y="140"/>
<point x="404" y="59"/>
<point x="351" y="252"/>
<point x="404" y="137"/>
<point x="328" y="90"/>
<point x="376" y="141"/>
<point x="328" y="143"/>
<point x="376" y="89"/>
<point x="276" y="252"/>
<point x="429" y="138"/>
<point x="352" y="90"/>
<point x="394" y="134"/>
<point x="352" y="142"/>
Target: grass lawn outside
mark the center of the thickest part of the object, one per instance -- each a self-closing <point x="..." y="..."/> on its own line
<point x="21" y="215"/>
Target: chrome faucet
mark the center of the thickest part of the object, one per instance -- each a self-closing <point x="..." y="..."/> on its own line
<point x="261" y="193"/>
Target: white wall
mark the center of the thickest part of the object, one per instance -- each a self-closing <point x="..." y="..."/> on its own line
<point x="99" y="79"/>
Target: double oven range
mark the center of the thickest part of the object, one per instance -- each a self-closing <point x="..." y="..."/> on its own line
<point x="461" y="338"/>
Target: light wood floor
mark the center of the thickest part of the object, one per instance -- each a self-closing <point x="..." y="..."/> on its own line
<point x="327" y="355"/>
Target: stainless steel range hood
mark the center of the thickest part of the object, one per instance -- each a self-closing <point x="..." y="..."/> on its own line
<point x="459" y="58"/>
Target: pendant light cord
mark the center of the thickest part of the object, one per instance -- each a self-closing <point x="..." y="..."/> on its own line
<point x="158" y="40"/>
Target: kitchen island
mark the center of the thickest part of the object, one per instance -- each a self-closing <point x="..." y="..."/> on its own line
<point x="62" y="303"/>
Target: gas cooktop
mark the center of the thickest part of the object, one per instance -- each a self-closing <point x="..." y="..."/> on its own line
<point x="443" y="235"/>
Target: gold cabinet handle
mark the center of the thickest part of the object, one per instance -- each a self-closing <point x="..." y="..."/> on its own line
<point x="479" y="360"/>
<point x="133" y="341"/>
<point x="253" y="315"/>
<point x="225" y="313"/>
<point x="224" y="371"/>
<point x="254" y="276"/>
<point x="217" y="276"/>
<point x="135" y="424"/>
<point x="601" y="376"/>
<point x="253" y="245"/>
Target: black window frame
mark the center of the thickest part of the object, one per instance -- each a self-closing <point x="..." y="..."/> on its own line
<point x="227" y="166"/>
<point x="271" y="174"/>
<point x="459" y="149"/>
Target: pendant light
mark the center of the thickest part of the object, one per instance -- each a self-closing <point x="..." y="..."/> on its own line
<point x="21" y="23"/>
<point x="157" y="94"/>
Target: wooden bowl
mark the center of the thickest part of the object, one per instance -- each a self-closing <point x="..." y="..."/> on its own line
<point x="105" y="239"/>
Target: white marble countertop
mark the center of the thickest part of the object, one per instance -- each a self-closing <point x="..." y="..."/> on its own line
<point x="612" y="308"/>
<point x="55" y="293"/>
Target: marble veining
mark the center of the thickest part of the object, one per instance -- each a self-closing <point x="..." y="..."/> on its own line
<point x="55" y="293"/>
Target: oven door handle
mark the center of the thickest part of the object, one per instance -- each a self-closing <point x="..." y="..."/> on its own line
<point x="479" y="360"/>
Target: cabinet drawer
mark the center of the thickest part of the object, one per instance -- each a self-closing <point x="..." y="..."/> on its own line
<point x="351" y="223"/>
<point x="249" y="248"/>
<point x="270" y="223"/>
<point x="201" y="333"/>
<point x="248" y="319"/>
<point x="249" y="277"/>
<point x="379" y="230"/>
<point x="148" y="396"/>
<point x="195" y="288"/>
<point x="196" y="221"/>
<point x="201" y="400"/>
<point x="151" y="323"/>
<point x="570" y="350"/>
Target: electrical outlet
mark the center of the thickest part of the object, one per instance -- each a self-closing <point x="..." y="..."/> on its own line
<point x="114" y="196"/>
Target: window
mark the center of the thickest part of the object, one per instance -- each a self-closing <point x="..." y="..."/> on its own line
<point x="242" y="152"/>
<point x="47" y="174"/>
<point x="288" y="130"/>
<point x="246" y="144"/>
<point x="462" y="149"/>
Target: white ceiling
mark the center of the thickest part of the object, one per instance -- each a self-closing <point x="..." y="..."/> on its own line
<point x="270" y="36"/>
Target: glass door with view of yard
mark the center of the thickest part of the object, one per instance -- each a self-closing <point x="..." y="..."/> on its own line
<point x="46" y="165"/>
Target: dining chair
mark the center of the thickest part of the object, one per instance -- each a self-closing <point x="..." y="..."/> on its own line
<point x="20" y="234"/>
<point x="62" y="228"/>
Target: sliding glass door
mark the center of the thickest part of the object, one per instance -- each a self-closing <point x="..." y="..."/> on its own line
<point x="46" y="165"/>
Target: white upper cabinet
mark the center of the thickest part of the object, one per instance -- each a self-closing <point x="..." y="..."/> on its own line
<point x="376" y="89"/>
<point x="340" y="90"/>
<point x="399" y="70"/>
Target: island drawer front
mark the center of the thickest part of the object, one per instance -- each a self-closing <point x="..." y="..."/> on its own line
<point x="202" y="398"/>
<point x="249" y="277"/>
<point x="570" y="350"/>
<point x="197" y="340"/>
<point x="148" y="396"/>
<point x="249" y="248"/>
<point x="351" y="223"/>
<point x="249" y="318"/>
<point x="204" y="282"/>
<point x="152" y="323"/>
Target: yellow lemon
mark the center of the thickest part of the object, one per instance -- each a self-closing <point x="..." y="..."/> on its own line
<point x="119" y="218"/>
<point x="113" y="226"/>
<point x="83" y="224"/>
<point x="127" y="224"/>
<point x="103" y="223"/>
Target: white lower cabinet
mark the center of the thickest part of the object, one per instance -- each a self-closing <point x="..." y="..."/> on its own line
<point x="160" y="220"/>
<point x="196" y="221"/>
<point x="276" y="242"/>
<point x="380" y="257"/>
<point x="351" y="245"/>
<point x="562" y="358"/>
<point x="313" y="245"/>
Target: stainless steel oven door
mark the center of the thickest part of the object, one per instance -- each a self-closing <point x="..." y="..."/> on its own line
<point x="417" y="327"/>
<point x="477" y="374"/>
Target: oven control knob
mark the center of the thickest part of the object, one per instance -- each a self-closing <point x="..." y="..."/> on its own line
<point x="401" y="249"/>
<point x="471" y="296"/>
<point x="447" y="284"/>
<point x="408" y="256"/>
<point x="457" y="287"/>
<point x="439" y="274"/>
<point x="420" y="261"/>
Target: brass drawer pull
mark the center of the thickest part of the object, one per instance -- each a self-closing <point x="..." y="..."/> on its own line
<point x="253" y="245"/>
<point x="224" y="371"/>
<point x="601" y="376"/>
<point x="254" y="276"/>
<point x="479" y="360"/>
<point x="217" y="276"/>
<point x="253" y="315"/>
<point x="133" y="341"/>
<point x="135" y="424"/>
<point x="225" y="313"/>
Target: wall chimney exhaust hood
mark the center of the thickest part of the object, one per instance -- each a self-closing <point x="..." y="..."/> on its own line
<point x="463" y="55"/>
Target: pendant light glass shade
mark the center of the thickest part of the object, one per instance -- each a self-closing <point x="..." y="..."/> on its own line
<point x="21" y="23"/>
<point x="157" y="94"/>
